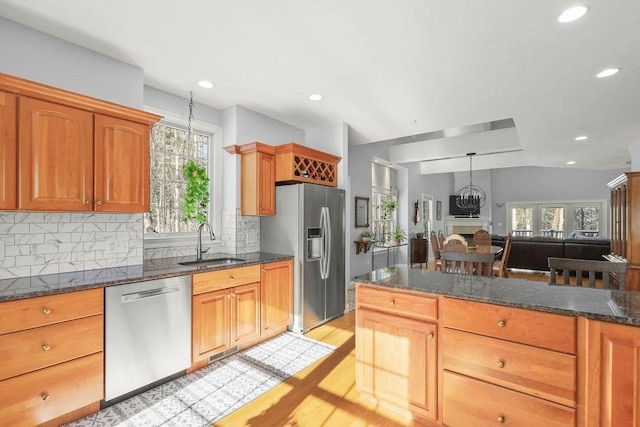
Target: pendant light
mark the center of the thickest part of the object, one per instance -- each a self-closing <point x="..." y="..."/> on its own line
<point x="471" y="198"/>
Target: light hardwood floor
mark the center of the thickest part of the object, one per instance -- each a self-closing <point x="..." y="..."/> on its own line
<point x="323" y="394"/>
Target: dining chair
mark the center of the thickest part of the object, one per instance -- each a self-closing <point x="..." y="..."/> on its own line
<point x="454" y="245"/>
<point x="454" y="237"/>
<point x="467" y="263"/>
<point x="612" y="272"/>
<point x="437" y="264"/>
<point x="440" y="240"/>
<point x="482" y="238"/>
<point x="500" y="266"/>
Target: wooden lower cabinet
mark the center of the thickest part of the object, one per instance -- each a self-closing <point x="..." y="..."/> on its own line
<point x="225" y="318"/>
<point x="39" y="396"/>
<point x="51" y="353"/>
<point x="609" y="374"/>
<point x="277" y="296"/>
<point x="397" y="356"/>
<point x="470" y="402"/>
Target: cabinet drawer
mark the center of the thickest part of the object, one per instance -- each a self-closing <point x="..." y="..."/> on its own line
<point x="31" y="399"/>
<point x="547" y="330"/>
<point x="37" y="348"/>
<point x="33" y="312"/>
<point x="469" y="402"/>
<point x="413" y="305"/>
<point x="221" y="279"/>
<point x="540" y="372"/>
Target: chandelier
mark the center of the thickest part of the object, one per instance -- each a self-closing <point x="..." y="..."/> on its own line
<point x="471" y="198"/>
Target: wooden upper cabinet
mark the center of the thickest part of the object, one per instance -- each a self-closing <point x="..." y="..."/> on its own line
<point x="121" y="165"/>
<point x="62" y="151"/>
<point x="8" y="144"/>
<point x="257" y="178"/>
<point x="55" y="157"/>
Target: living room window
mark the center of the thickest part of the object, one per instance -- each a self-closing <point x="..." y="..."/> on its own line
<point x="568" y="219"/>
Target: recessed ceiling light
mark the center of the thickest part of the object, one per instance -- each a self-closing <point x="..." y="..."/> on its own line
<point x="572" y="14"/>
<point x="608" y="72"/>
<point x="315" y="97"/>
<point x="571" y="162"/>
<point x="205" y="84"/>
<point x="581" y="138"/>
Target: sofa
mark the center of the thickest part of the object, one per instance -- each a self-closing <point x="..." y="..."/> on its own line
<point x="531" y="253"/>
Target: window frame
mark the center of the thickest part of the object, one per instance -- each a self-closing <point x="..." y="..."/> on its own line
<point x="568" y="206"/>
<point x="164" y="240"/>
<point x="375" y="211"/>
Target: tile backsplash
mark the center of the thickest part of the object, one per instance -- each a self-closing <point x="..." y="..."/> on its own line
<point x="36" y="243"/>
<point x="58" y="242"/>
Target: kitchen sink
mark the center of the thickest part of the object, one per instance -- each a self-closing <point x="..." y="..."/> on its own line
<point x="212" y="261"/>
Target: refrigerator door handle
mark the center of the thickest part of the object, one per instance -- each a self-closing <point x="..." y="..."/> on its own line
<point x="323" y="244"/>
<point x="327" y="268"/>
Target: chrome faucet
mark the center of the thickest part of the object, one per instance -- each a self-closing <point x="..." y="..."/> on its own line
<point x="199" y="249"/>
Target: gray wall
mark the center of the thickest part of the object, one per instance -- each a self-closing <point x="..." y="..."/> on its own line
<point x="33" y="55"/>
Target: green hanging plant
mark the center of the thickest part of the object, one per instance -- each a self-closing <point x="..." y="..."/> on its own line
<point x="388" y="205"/>
<point x="196" y="196"/>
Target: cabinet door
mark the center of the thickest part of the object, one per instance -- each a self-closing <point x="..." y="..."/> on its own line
<point x="266" y="184"/>
<point x="245" y="313"/>
<point x="277" y="294"/>
<point x="610" y="374"/>
<point x="122" y="165"/>
<point x="8" y="159"/>
<point x="211" y="327"/>
<point x="55" y="153"/>
<point x="396" y="361"/>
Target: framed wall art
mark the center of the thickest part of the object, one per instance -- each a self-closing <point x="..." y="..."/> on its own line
<point x="362" y="212"/>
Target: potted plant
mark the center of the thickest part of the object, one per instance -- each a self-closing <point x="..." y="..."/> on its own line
<point x="366" y="236"/>
<point x="196" y="195"/>
<point x="398" y="235"/>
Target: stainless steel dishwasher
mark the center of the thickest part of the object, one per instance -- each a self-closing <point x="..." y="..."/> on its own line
<point x="147" y="333"/>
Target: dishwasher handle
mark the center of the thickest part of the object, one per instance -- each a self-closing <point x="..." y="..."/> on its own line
<point x="137" y="296"/>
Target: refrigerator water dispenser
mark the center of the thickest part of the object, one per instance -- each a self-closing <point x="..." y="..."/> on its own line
<point x="314" y="243"/>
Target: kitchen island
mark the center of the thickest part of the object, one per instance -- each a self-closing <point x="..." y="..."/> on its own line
<point x="447" y="349"/>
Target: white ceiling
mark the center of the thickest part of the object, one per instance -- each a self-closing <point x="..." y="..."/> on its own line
<point x="389" y="69"/>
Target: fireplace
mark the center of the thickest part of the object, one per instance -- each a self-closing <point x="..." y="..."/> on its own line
<point x="465" y="226"/>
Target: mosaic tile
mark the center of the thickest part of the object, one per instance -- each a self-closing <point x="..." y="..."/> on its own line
<point x="213" y="392"/>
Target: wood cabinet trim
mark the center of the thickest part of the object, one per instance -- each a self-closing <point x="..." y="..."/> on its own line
<point x="20" y="86"/>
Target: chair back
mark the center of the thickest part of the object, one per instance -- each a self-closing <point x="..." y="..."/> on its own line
<point x="482" y="238"/>
<point x="467" y="263"/>
<point x="440" y="240"/>
<point x="454" y="237"/>
<point x="503" y="262"/>
<point x="454" y="245"/>
<point x="612" y="272"/>
<point x="435" y="250"/>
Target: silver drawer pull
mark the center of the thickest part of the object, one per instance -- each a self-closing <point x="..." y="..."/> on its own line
<point x="46" y="310"/>
<point x="46" y="347"/>
<point x="501" y="323"/>
<point x="45" y="396"/>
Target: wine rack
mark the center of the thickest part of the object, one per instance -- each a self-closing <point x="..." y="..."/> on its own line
<point x="297" y="163"/>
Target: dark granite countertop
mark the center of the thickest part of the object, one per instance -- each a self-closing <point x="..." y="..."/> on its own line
<point x="34" y="286"/>
<point x="599" y="304"/>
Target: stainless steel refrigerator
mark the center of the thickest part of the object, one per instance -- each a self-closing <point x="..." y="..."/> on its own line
<point x="310" y="224"/>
